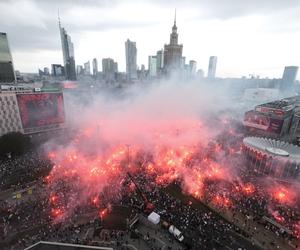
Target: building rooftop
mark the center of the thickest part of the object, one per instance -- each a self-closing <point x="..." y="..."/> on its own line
<point x="274" y="148"/>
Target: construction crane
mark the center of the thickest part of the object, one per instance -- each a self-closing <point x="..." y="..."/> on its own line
<point x="148" y="206"/>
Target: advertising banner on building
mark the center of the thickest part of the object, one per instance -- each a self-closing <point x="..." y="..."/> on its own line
<point x="41" y="109"/>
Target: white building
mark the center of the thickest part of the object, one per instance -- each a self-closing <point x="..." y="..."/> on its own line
<point x="212" y="67"/>
<point x="152" y="66"/>
<point x="131" y="54"/>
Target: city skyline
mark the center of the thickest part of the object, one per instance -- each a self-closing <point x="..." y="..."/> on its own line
<point x="246" y="42"/>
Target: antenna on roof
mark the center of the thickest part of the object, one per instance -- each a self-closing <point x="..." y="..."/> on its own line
<point x="58" y="17"/>
<point x="175" y="17"/>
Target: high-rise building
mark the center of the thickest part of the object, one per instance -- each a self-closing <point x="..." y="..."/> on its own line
<point x="109" y="68"/>
<point x="68" y="53"/>
<point x="95" y="67"/>
<point x="80" y="70"/>
<point x="212" y="67"/>
<point x="152" y="66"/>
<point x="182" y="62"/>
<point x="116" y="67"/>
<point x="7" y="73"/>
<point x="46" y="71"/>
<point x="200" y="73"/>
<point x="193" y="67"/>
<point x="160" y="62"/>
<point x="160" y="59"/>
<point x="87" y="68"/>
<point x="172" y="52"/>
<point x="57" y="70"/>
<point x="131" y="54"/>
<point x="289" y="74"/>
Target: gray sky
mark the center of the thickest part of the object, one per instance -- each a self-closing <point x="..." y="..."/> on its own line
<point x="249" y="37"/>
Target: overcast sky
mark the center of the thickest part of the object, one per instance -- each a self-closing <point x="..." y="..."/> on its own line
<point x="248" y="36"/>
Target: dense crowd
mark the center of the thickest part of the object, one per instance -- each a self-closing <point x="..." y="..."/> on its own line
<point x="16" y="171"/>
<point x="29" y="220"/>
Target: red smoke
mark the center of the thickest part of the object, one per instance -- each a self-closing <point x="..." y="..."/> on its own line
<point x="168" y="141"/>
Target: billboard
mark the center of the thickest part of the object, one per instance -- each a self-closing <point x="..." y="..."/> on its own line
<point x="262" y="121"/>
<point x="41" y="110"/>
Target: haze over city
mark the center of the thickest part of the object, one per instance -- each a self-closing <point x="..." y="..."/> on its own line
<point x="149" y="125"/>
<point x="256" y="37"/>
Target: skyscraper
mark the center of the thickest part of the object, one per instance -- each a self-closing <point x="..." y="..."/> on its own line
<point x="57" y="70"/>
<point x="7" y="73"/>
<point x="95" y="67"/>
<point x="80" y="70"/>
<point x="109" y="68"/>
<point x="116" y="67"/>
<point x="160" y="61"/>
<point x="68" y="53"/>
<point x="152" y="66"/>
<point x="212" y="67"/>
<point x="289" y="74"/>
<point x="131" y="67"/>
<point x="193" y="67"/>
<point x="172" y="51"/>
<point x="87" y="68"/>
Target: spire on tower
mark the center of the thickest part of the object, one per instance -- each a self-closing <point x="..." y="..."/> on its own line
<point x="58" y="17"/>
<point x="175" y="18"/>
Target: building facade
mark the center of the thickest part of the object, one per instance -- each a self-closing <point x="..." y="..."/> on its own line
<point x="95" y="67"/>
<point x="212" y="67"/>
<point x="57" y="70"/>
<point x="28" y="111"/>
<point x="7" y="73"/>
<point x="109" y="69"/>
<point x="172" y="52"/>
<point x="152" y="66"/>
<point x="160" y="61"/>
<point x="87" y="68"/>
<point x="289" y="76"/>
<point x="274" y="158"/>
<point x="278" y="119"/>
<point x="193" y="67"/>
<point x="131" y="55"/>
<point x="68" y="54"/>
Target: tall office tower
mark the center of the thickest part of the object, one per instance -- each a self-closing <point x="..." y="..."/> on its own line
<point x="193" y="67"/>
<point x="95" y="67"/>
<point x="7" y="73"/>
<point x="80" y="70"/>
<point x="212" y="67"/>
<point x="289" y="74"/>
<point x="87" y="68"/>
<point x="152" y="66"/>
<point x="182" y="62"/>
<point x="200" y="73"/>
<point x="116" y="67"/>
<point x="131" y="67"/>
<point x="68" y="53"/>
<point x="46" y="71"/>
<point x="160" y="61"/>
<point x="57" y="70"/>
<point x="172" y="52"/>
<point x="109" y="69"/>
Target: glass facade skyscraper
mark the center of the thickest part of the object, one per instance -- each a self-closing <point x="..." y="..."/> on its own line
<point x="68" y="54"/>
<point x="7" y="73"/>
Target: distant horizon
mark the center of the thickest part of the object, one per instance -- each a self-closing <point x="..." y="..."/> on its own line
<point x="257" y="38"/>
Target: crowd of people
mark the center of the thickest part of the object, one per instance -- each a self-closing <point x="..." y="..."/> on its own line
<point x="17" y="171"/>
<point x="31" y="219"/>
